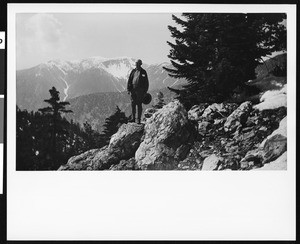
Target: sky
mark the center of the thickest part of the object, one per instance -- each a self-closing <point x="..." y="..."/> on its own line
<point x="69" y="36"/>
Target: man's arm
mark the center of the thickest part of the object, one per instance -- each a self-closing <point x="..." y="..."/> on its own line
<point x="129" y="83"/>
<point x="146" y="82"/>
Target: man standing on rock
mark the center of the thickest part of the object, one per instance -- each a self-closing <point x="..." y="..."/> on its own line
<point x="137" y="85"/>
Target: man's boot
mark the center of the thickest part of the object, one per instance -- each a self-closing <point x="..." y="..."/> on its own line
<point x="140" y="109"/>
<point x="133" y="112"/>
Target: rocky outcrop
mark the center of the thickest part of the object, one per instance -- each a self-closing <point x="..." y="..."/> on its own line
<point x="218" y="110"/>
<point x="279" y="164"/>
<point x="84" y="161"/>
<point x="122" y="146"/>
<point x="149" y="112"/>
<point x="212" y="162"/>
<point x="224" y="136"/>
<point x="272" y="147"/>
<point x="194" y="159"/>
<point x="167" y="139"/>
<point x="129" y="164"/>
<point x="203" y="128"/>
<point x="246" y="143"/>
<point x="238" y="117"/>
<point x="196" y="111"/>
<point x="127" y="140"/>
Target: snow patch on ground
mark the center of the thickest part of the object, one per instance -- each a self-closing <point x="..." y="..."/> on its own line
<point x="279" y="164"/>
<point x="273" y="99"/>
<point x="282" y="130"/>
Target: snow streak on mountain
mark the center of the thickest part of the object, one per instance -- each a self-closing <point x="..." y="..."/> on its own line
<point x="82" y="77"/>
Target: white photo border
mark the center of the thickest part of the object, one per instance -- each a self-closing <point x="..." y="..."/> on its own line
<point x="151" y="205"/>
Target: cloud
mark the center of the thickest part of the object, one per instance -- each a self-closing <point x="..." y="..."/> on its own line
<point x="45" y="28"/>
<point x="38" y="37"/>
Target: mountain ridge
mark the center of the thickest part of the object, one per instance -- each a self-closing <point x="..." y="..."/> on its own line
<point x="82" y="77"/>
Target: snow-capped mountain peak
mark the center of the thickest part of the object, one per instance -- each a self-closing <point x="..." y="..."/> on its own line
<point x="118" y="67"/>
<point x="82" y="77"/>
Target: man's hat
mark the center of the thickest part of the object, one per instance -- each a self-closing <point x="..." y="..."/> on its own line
<point x="147" y="98"/>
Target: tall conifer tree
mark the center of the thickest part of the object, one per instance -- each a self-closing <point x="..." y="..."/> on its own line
<point x="54" y="111"/>
<point x="217" y="52"/>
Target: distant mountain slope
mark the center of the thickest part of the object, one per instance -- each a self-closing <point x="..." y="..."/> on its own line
<point x="82" y="77"/>
<point x="95" y="86"/>
<point x="95" y="108"/>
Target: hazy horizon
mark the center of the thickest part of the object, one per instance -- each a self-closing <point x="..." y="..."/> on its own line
<point x="42" y="37"/>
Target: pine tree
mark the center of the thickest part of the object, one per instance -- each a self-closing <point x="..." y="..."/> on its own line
<point x="34" y="141"/>
<point x="216" y="52"/>
<point x="92" y="137"/>
<point x="24" y="141"/>
<point x="57" y="124"/>
<point x="112" y="124"/>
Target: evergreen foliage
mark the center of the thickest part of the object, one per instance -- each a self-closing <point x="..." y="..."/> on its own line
<point x="35" y="137"/>
<point x="217" y="52"/>
<point x="112" y="124"/>
<point x="57" y="124"/>
<point x="93" y="139"/>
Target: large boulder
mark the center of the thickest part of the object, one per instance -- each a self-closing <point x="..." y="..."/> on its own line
<point x="253" y="158"/>
<point x="271" y="148"/>
<point x="84" y="161"/>
<point x="276" y="143"/>
<point x="122" y="146"/>
<point x="127" y="140"/>
<point x="212" y="162"/>
<point x="238" y="117"/>
<point x="281" y="130"/>
<point x="274" y="147"/>
<point x="167" y="137"/>
<point x="129" y="164"/>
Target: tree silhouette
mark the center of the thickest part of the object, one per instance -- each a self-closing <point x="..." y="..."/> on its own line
<point x="34" y="142"/>
<point x="218" y="52"/>
<point x="57" y="124"/>
<point x="112" y="124"/>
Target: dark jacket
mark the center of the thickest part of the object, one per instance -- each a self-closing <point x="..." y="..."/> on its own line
<point x="141" y="85"/>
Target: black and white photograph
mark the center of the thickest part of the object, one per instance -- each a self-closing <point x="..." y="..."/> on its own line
<point x="129" y="91"/>
<point x="151" y="121"/>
